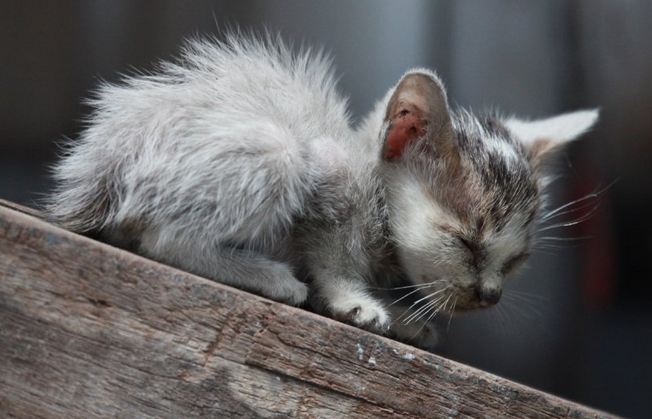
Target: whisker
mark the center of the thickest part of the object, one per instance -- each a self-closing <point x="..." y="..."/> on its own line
<point x="450" y="316"/>
<point x="425" y="285"/>
<point x="432" y="316"/>
<point x="551" y="246"/>
<point x="539" y="250"/>
<point x="410" y="293"/>
<point x="417" y="302"/>
<point x="529" y="311"/>
<point x="526" y="307"/>
<point x="495" y="314"/>
<point x="564" y="238"/>
<point x="434" y="310"/>
<point x="569" y="209"/>
<point x="591" y="196"/>
<point x="570" y="223"/>
<point x="426" y="307"/>
<point x="428" y="296"/>
<point x="503" y="316"/>
<point x="525" y="295"/>
<point x="432" y="307"/>
<point x="557" y="210"/>
<point x="549" y="217"/>
<point x="416" y="333"/>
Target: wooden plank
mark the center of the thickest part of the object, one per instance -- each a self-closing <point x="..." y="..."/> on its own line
<point x="21" y="208"/>
<point x="91" y="331"/>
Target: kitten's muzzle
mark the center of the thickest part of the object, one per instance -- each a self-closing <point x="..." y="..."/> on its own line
<point x="487" y="296"/>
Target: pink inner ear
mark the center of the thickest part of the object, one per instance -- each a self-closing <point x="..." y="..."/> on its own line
<point x="406" y="128"/>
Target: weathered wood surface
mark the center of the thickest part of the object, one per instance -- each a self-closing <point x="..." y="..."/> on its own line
<point x="90" y="331"/>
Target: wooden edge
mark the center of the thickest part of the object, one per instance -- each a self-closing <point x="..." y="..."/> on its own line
<point x="21" y="208"/>
<point x="88" y="330"/>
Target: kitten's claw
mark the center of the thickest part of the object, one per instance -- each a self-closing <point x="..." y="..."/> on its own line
<point x="363" y="312"/>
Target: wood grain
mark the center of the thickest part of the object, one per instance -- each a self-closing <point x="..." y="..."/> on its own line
<point x="91" y="331"/>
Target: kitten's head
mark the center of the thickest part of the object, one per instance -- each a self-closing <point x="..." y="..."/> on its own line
<point x="464" y="192"/>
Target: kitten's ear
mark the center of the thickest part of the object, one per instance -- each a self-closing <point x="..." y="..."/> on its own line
<point x="418" y="108"/>
<point x="544" y="136"/>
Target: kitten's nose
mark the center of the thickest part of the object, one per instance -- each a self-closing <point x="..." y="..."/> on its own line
<point x="488" y="296"/>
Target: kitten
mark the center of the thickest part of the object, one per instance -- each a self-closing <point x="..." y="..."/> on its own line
<point x="238" y="163"/>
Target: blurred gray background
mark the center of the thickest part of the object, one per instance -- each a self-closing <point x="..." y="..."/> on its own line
<point x="578" y="323"/>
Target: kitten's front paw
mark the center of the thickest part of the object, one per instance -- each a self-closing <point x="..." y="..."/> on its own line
<point x="280" y="284"/>
<point x="291" y="291"/>
<point x="361" y="311"/>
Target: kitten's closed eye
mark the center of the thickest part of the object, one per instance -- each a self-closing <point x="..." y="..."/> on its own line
<point x="513" y="263"/>
<point x="471" y="248"/>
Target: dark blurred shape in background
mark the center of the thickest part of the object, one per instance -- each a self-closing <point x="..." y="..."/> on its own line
<point x="578" y="323"/>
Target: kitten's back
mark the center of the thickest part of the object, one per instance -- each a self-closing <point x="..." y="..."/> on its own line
<point x="157" y="142"/>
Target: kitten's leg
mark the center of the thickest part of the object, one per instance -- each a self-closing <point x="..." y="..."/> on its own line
<point x="240" y="268"/>
<point x="335" y="253"/>
<point x="248" y="270"/>
<point x="337" y="270"/>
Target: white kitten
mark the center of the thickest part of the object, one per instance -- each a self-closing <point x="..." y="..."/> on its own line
<point x="238" y="163"/>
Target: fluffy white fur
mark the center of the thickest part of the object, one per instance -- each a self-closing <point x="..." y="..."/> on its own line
<point x="238" y="163"/>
